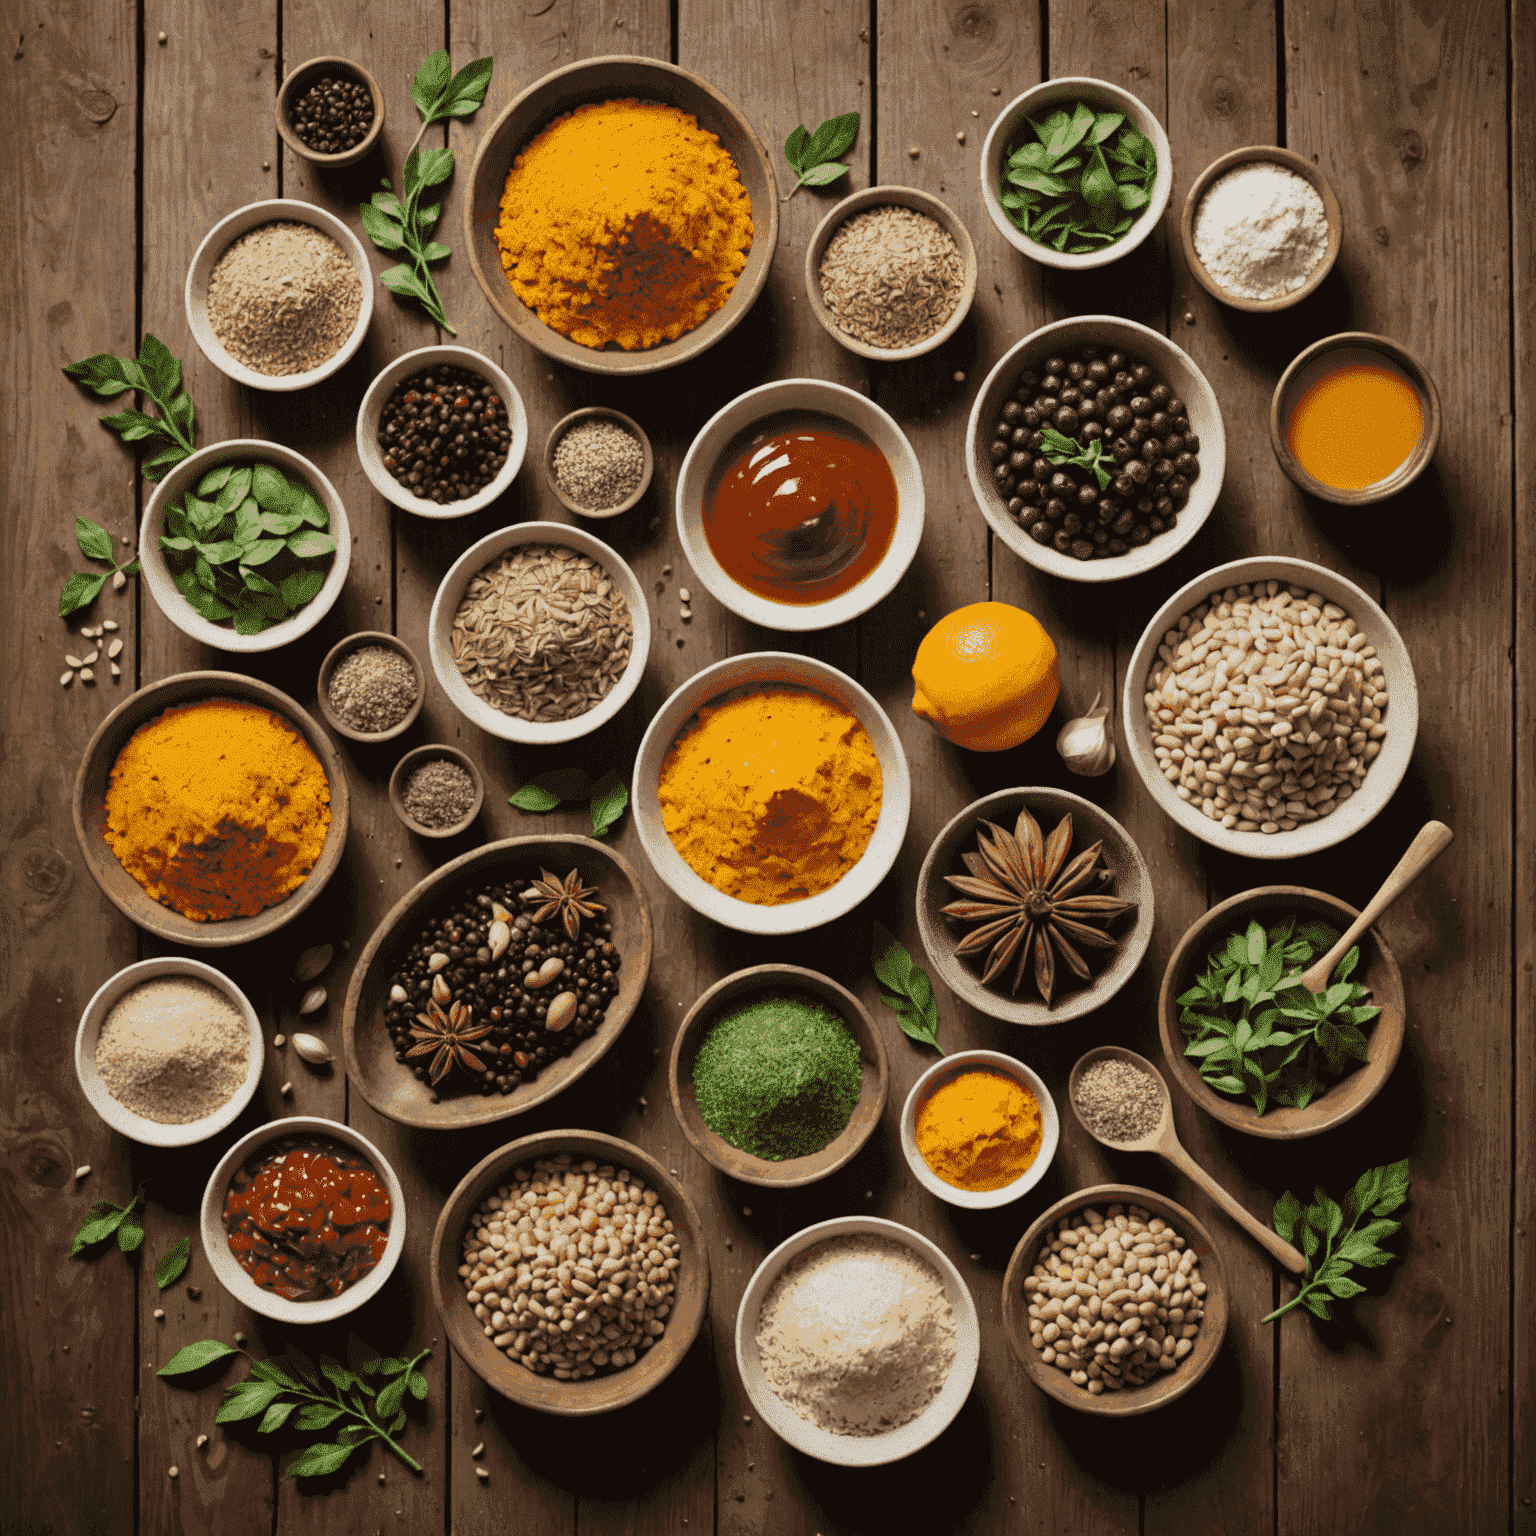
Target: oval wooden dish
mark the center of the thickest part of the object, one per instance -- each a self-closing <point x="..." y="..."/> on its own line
<point x="296" y="86"/>
<point x="625" y="423"/>
<point x="90" y="808"/>
<point x="419" y="757"/>
<point x="1342" y="1097"/>
<point x="760" y="981"/>
<point x="337" y="654"/>
<point x="392" y="1087"/>
<point x="612" y="78"/>
<point x="595" y="1394"/>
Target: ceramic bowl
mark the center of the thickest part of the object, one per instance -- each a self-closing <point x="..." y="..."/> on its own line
<point x="155" y="1133"/>
<point x="730" y="422"/>
<point x="858" y="1450"/>
<point x="1340" y="351"/>
<point x="1011" y="129"/>
<point x="762" y="668"/>
<point x="296" y="86"/>
<point x="884" y="197"/>
<point x="450" y="594"/>
<point x="619" y="419"/>
<point x="418" y="758"/>
<point x="1288" y="160"/>
<point x="1090" y="824"/>
<point x="764" y="981"/>
<point x="1174" y="366"/>
<point x="90" y="814"/>
<point x="162" y="585"/>
<point x="596" y="1394"/>
<point x="392" y="1088"/>
<point x="277" y="210"/>
<point x="1342" y="1098"/>
<point x="338" y="653"/>
<point x="377" y="398"/>
<point x="607" y="79"/>
<point x="1402" y="719"/>
<point x="1166" y="1386"/>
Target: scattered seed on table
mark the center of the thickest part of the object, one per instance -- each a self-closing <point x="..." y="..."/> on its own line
<point x="119" y="581"/>
<point x="684" y="595"/>
<point x="159" y="1314"/>
<point x="279" y="1041"/>
<point x="66" y="678"/>
<point x="83" y="1172"/>
<point x="71" y="660"/>
<point x="86" y="675"/>
<point x="202" y="1440"/>
<point x="482" y="1474"/>
<point x="287" y="1088"/>
<point x="110" y="624"/>
<point x="478" y="1451"/>
<point x="175" y="1471"/>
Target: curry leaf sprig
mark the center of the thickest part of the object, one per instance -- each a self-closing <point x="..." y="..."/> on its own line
<point x="157" y="374"/>
<point x="81" y="588"/>
<point x="816" y="158"/>
<point x="608" y="798"/>
<point x="1063" y="450"/>
<point x="905" y="988"/>
<point x="106" y="1220"/>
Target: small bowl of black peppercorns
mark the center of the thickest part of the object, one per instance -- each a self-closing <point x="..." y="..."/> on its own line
<point x="330" y="111"/>
<point x="442" y="432"/>
<point x="1096" y="448"/>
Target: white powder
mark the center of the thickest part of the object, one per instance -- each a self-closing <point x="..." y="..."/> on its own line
<point x="1260" y="230"/>
<point x="857" y="1335"/>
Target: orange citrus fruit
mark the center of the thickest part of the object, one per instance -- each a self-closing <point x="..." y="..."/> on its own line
<point x="987" y="677"/>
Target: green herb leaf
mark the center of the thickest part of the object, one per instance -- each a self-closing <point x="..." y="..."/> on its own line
<point x="905" y="988"/>
<point x="609" y="799"/>
<point x="321" y="1459"/>
<point x="167" y="458"/>
<point x="269" y="485"/>
<point x="173" y="1265"/>
<point x="135" y="426"/>
<point x="105" y="1219"/>
<point x="431" y="83"/>
<point x="94" y="540"/>
<point x="404" y="282"/>
<point x="79" y="592"/>
<point x="814" y="158"/>
<point x="311" y="545"/>
<point x="466" y="91"/>
<point x="301" y="587"/>
<point x="317" y="1416"/>
<point x="275" y="1417"/>
<point x="194" y="1357"/>
<point x="106" y="374"/>
<point x="384" y="231"/>
<point x="549" y="790"/>
<point x="249" y="618"/>
<point x="1104" y="125"/>
<point x="245" y="1400"/>
<point x="794" y="148"/>
<point x="388" y="1401"/>
<point x="418" y="1385"/>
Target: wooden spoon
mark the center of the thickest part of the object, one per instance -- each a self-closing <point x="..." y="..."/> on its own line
<point x="1164" y="1140"/>
<point x="1433" y="839"/>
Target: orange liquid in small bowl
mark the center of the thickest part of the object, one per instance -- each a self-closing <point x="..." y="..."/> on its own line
<point x="1355" y="426"/>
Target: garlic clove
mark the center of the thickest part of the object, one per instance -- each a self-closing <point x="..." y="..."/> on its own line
<point x="1087" y="744"/>
<point x="312" y="963"/>
<point x="312" y="1049"/>
<point x="312" y="1001"/>
<point x="500" y="936"/>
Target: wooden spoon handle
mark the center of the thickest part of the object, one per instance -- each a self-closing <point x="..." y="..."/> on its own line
<point x="1277" y="1247"/>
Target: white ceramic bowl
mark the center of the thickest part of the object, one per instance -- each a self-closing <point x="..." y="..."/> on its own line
<point x="829" y="400"/>
<point x="450" y="593"/>
<point x="1011" y="129"/>
<point x="941" y="1072"/>
<point x="153" y="1133"/>
<point x="227" y="1268"/>
<point x="184" y="478"/>
<point x="761" y="668"/>
<point x="378" y="397"/>
<point x="858" y="1450"/>
<point x="1174" y="366"/>
<point x="1402" y="718"/>
<point x="277" y="210"/>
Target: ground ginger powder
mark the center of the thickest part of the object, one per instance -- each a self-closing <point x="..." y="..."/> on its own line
<point x="980" y="1130"/>
<point x="773" y="795"/>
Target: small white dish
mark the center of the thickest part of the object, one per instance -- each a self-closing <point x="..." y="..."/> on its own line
<point x="377" y="398"/>
<point x="762" y="668"/>
<point x="154" y="1133"/>
<point x="227" y="1268"/>
<point x="184" y="478"/>
<point x="277" y="210"/>
<point x="858" y="1450"/>
<point x="450" y="594"/>
<point x="829" y="400"/>
<point x="956" y="1065"/>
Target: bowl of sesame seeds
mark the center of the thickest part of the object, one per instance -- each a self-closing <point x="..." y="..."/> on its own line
<point x="598" y="462"/>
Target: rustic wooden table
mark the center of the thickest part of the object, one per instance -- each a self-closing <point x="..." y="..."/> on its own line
<point x="134" y="127"/>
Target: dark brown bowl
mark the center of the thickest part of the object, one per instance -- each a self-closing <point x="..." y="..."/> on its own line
<point x="597" y="1394"/>
<point x="609" y="79"/>
<point x="390" y="1086"/>
<point x="414" y="759"/>
<point x="1343" y="1097"/>
<point x="1164" y="1387"/>
<point x="339" y="653"/>
<point x="792" y="1172"/>
<point x="298" y="81"/>
<point x="598" y="413"/>
<point x="90" y="808"/>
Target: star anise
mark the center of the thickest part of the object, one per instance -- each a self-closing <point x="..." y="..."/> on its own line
<point x="452" y="1035"/>
<point x="1029" y="905"/>
<point x="568" y="897"/>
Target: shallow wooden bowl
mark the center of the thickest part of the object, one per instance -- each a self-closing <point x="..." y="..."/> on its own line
<point x="764" y="980"/>
<point x="1342" y="1098"/>
<point x="615" y="78"/>
<point x="391" y="1087"/>
<point x="597" y="1394"/>
<point x="1166" y="1386"/>
<point x="413" y="760"/>
<point x="598" y="413"/>
<point x="337" y="654"/>
<point x="90" y="808"/>
<point x="299" y="81"/>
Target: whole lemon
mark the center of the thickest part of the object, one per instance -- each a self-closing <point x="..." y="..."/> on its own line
<point x="987" y="677"/>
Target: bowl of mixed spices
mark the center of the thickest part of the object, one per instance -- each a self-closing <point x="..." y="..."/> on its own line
<point x="598" y="462"/>
<point x="330" y="111"/>
<point x="371" y="687"/>
<point x="436" y="791"/>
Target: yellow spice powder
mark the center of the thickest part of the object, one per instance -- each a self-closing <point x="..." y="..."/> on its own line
<point x="980" y="1130"/>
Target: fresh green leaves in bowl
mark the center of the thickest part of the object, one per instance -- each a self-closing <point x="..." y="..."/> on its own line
<point x="249" y="547"/>
<point x="1082" y="182"/>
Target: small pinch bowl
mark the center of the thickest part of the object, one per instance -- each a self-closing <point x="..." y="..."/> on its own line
<point x="155" y="1133"/>
<point x="293" y="90"/>
<point x="416" y="758"/>
<point x="1342" y="1098"/>
<point x="957" y="1065"/>
<point x="764" y="981"/>
<point x="1166" y="1386"/>
<point x="372" y="410"/>
<point x="858" y="1450"/>
<point x="90" y="812"/>
<point x="226" y="1267"/>
<point x="765" y="669"/>
<point x="619" y="419"/>
<point x="793" y="395"/>
<point x="596" y="1394"/>
<point x="338" y="653"/>
<point x="1090" y="824"/>
<point x="278" y="210"/>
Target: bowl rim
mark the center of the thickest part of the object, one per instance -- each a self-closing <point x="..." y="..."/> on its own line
<point x="434" y="751"/>
<point x="238" y="1283"/>
<point x="283" y="106"/>
<point x="359" y="640"/>
<point x="118" y="1116"/>
<point x="598" y="413"/>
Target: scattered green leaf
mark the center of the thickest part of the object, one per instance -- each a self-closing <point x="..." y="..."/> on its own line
<point x="816" y="158"/>
<point x="95" y="544"/>
<point x="905" y="988"/>
<point x="610" y="797"/>
<point x="195" y="1356"/>
<point x="105" y="1220"/>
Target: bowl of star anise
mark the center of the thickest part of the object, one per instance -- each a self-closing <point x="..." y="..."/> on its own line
<point x="1035" y="906"/>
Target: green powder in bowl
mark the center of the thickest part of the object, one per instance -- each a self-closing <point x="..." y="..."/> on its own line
<point x="778" y="1077"/>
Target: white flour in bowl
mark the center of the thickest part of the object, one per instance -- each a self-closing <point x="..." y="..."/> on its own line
<point x="1260" y="230"/>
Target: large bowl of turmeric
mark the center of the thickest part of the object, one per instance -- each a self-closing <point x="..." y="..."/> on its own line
<point x="622" y="215"/>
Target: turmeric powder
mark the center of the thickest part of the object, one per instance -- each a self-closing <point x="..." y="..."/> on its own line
<point x="773" y="795"/>
<point x="218" y="809"/>
<point x="980" y="1130"/>
<point x="626" y="222"/>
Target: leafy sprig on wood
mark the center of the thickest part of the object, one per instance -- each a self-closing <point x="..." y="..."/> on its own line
<point x="608" y="797"/>
<point x="106" y="1220"/>
<point x="905" y="988"/>
<point x="816" y="158"/>
<point x="157" y="374"/>
<point x="81" y="588"/>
